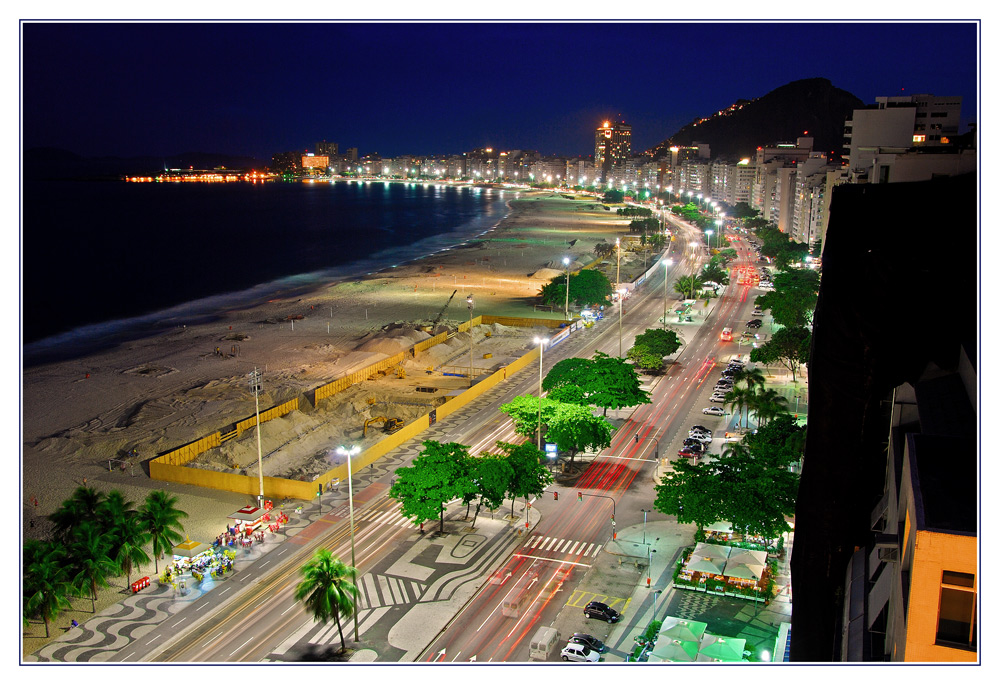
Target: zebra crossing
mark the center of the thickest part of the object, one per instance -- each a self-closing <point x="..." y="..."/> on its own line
<point x="539" y="543"/>
<point x="382" y="517"/>
<point x="376" y="590"/>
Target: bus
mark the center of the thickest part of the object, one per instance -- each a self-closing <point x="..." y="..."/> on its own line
<point x="726" y="335"/>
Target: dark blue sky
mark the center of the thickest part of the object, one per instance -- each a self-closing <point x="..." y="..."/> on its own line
<point x="256" y="89"/>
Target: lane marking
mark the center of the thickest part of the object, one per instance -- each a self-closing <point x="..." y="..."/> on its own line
<point x="571" y="563"/>
<point x="240" y="647"/>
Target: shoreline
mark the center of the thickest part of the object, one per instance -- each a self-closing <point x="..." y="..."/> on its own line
<point x="92" y="338"/>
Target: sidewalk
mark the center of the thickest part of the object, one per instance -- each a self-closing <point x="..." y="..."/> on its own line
<point x="726" y="616"/>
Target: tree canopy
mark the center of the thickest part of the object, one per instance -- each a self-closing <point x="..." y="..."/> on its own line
<point x="606" y="382"/>
<point x="327" y="589"/>
<point x="586" y="287"/>
<point x="788" y="346"/>
<point x="528" y="475"/>
<point x="436" y="477"/>
<point x="652" y="346"/>
<point x="575" y="428"/>
<point x="612" y="197"/>
<point x="794" y="297"/>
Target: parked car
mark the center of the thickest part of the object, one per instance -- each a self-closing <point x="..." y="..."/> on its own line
<point x="574" y="651"/>
<point x="704" y="429"/>
<point x="602" y="611"/>
<point x="692" y="441"/>
<point x="714" y="411"/>
<point x="589" y="640"/>
<point x="686" y="452"/>
<point x="717" y="398"/>
<point x="757" y="313"/>
<point x="702" y="438"/>
<point x="754" y="323"/>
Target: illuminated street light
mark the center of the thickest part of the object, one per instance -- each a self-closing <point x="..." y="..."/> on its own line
<point x="621" y="306"/>
<point x="666" y="265"/>
<point x="472" y="306"/>
<point x="541" y="342"/>
<point x="566" y="262"/>
<point x="350" y="500"/>
<point x="709" y="240"/>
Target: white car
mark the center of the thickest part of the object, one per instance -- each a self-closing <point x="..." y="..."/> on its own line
<point x="717" y="398"/>
<point x="714" y="411"/>
<point x="574" y="651"/>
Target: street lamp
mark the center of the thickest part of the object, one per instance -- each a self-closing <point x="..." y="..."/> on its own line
<point x="541" y="342"/>
<point x="350" y="501"/>
<point x="666" y="265"/>
<point x="708" y="240"/>
<point x="644" y="512"/>
<point x="472" y="305"/>
<point x="255" y="386"/>
<point x="621" y="306"/>
<point x="566" y="263"/>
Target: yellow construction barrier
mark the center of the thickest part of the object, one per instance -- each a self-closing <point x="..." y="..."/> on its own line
<point x="272" y="413"/>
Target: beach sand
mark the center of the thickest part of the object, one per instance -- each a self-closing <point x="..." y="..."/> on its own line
<point x="163" y="391"/>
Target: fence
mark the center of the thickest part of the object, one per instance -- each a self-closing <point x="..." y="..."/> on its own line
<point x="170" y="466"/>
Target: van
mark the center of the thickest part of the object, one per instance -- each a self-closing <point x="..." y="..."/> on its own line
<point x="543" y="643"/>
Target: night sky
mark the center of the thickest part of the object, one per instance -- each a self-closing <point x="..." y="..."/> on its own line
<point x="256" y="89"/>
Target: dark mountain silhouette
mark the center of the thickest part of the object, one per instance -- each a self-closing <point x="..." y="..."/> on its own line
<point x="42" y="162"/>
<point x="784" y="114"/>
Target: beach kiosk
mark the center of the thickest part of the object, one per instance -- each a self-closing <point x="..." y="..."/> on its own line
<point x="189" y="551"/>
<point x="248" y="519"/>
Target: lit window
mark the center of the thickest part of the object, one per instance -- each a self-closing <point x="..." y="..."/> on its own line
<point x="957" y="612"/>
<point x="919" y="138"/>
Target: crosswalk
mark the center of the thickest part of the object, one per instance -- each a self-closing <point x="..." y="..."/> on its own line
<point x="376" y="590"/>
<point x="382" y="517"/>
<point x="539" y="543"/>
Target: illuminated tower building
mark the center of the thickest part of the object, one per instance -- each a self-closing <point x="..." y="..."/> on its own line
<point x="612" y="147"/>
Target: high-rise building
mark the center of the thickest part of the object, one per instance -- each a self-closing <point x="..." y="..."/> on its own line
<point x="612" y="147"/>
<point x="331" y="150"/>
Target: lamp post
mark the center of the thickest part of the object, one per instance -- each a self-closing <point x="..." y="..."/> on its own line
<point x="621" y="306"/>
<point x="350" y="501"/>
<point x="666" y="265"/>
<point x="708" y="239"/>
<point x="255" y="386"/>
<point x="644" y="512"/>
<point x="566" y="263"/>
<point x="472" y="305"/>
<point x="541" y="342"/>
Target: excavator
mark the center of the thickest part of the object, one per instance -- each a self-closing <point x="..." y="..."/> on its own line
<point x="390" y="425"/>
<point x="441" y="313"/>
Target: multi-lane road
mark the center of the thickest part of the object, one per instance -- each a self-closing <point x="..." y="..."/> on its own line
<point x="260" y="613"/>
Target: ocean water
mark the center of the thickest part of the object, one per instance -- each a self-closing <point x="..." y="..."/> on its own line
<point x="102" y="260"/>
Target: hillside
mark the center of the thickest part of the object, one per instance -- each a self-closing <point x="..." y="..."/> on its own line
<point x="784" y="114"/>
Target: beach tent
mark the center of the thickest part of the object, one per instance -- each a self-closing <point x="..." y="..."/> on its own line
<point x="674" y="628"/>
<point x="746" y="563"/>
<point x="715" y="647"/>
<point x="676" y="650"/>
<point x="708" y="558"/>
<point x="190" y="549"/>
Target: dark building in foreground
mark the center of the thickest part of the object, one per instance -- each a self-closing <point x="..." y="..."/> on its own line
<point x="885" y="562"/>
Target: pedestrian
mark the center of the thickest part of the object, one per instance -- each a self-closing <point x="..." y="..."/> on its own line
<point x="637" y="438"/>
<point x="74" y="623"/>
<point x="84" y="481"/>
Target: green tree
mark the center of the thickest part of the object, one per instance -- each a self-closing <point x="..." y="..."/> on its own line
<point x="613" y="197"/>
<point x="739" y="399"/>
<point x="793" y="299"/>
<point x="46" y="584"/>
<point x="659" y="341"/>
<point x="82" y="505"/>
<point x="523" y="412"/>
<point x="691" y="494"/>
<point x="761" y="493"/>
<point x="586" y="287"/>
<point x="87" y="551"/>
<point x="645" y="358"/>
<point x="435" y="478"/>
<point x="688" y="285"/>
<point x="575" y="428"/>
<point x="769" y="404"/>
<point x="713" y="272"/>
<point x="528" y="476"/>
<point x="614" y="384"/>
<point x="780" y="440"/>
<point x="161" y="519"/>
<point x="328" y="589"/>
<point x="788" y="346"/>
<point x="126" y="533"/>
<point x="742" y="210"/>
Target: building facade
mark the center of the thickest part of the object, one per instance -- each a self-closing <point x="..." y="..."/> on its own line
<point x="612" y="147"/>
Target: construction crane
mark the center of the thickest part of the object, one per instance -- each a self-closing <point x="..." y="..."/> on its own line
<point x="441" y="313"/>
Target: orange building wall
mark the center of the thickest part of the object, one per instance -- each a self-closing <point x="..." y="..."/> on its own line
<point x="935" y="553"/>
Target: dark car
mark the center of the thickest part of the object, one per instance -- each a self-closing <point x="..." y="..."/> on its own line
<point x="754" y="323"/>
<point x="693" y="442"/>
<point x="703" y="429"/>
<point x="590" y="641"/>
<point x="601" y="611"/>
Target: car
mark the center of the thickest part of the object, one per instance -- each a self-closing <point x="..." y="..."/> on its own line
<point x="692" y="441"/>
<point x="717" y="398"/>
<point x="701" y="437"/>
<point x="589" y="640"/>
<point x="757" y="312"/>
<point x="754" y="323"/>
<point x="575" y="651"/>
<point x="724" y="382"/>
<point x="704" y="429"/>
<point x="602" y="611"/>
<point x="714" y="411"/>
<point x="686" y="452"/>
<point x="695" y="445"/>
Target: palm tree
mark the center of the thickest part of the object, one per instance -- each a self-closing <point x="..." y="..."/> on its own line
<point x="120" y="519"/>
<point x="83" y="505"/>
<point x="327" y="589"/>
<point x="686" y="285"/>
<point x="737" y="400"/>
<point x="769" y="404"/>
<point x="46" y="581"/>
<point x="749" y="377"/>
<point x="161" y="519"/>
<point x="88" y="553"/>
